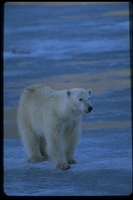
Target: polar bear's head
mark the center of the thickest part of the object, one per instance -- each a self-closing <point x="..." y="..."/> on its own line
<point x="80" y="100"/>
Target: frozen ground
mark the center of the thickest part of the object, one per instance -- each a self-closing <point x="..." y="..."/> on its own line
<point x="69" y="46"/>
<point x="104" y="168"/>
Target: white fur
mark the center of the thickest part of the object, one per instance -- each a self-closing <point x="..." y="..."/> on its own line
<point x="49" y="123"/>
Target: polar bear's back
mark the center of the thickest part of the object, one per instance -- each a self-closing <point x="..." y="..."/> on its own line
<point x="36" y="91"/>
<point x="34" y="96"/>
<point x="39" y="89"/>
<point x="33" y="102"/>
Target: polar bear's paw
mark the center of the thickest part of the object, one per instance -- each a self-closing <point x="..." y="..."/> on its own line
<point x="37" y="159"/>
<point x="72" y="161"/>
<point x="63" y="166"/>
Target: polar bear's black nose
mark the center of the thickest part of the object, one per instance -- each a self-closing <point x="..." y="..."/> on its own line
<point x="90" y="108"/>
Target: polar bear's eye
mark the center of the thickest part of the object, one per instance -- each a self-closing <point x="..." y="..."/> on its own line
<point x="80" y="99"/>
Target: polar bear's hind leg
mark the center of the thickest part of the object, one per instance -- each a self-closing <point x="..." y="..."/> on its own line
<point x="31" y="144"/>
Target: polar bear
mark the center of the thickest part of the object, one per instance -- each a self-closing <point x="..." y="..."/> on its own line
<point x="49" y="122"/>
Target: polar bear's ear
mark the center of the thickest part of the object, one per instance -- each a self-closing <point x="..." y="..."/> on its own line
<point x="31" y="89"/>
<point x="90" y="91"/>
<point x="68" y="93"/>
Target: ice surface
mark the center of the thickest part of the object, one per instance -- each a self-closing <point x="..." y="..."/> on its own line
<point x="104" y="168"/>
<point x="56" y="49"/>
<point x="61" y="35"/>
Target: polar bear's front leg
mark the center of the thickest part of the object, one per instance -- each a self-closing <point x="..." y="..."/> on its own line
<point x="70" y="149"/>
<point x="55" y="149"/>
<point x="71" y="140"/>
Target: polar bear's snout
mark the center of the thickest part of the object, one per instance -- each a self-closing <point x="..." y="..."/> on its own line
<point x="90" y="108"/>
